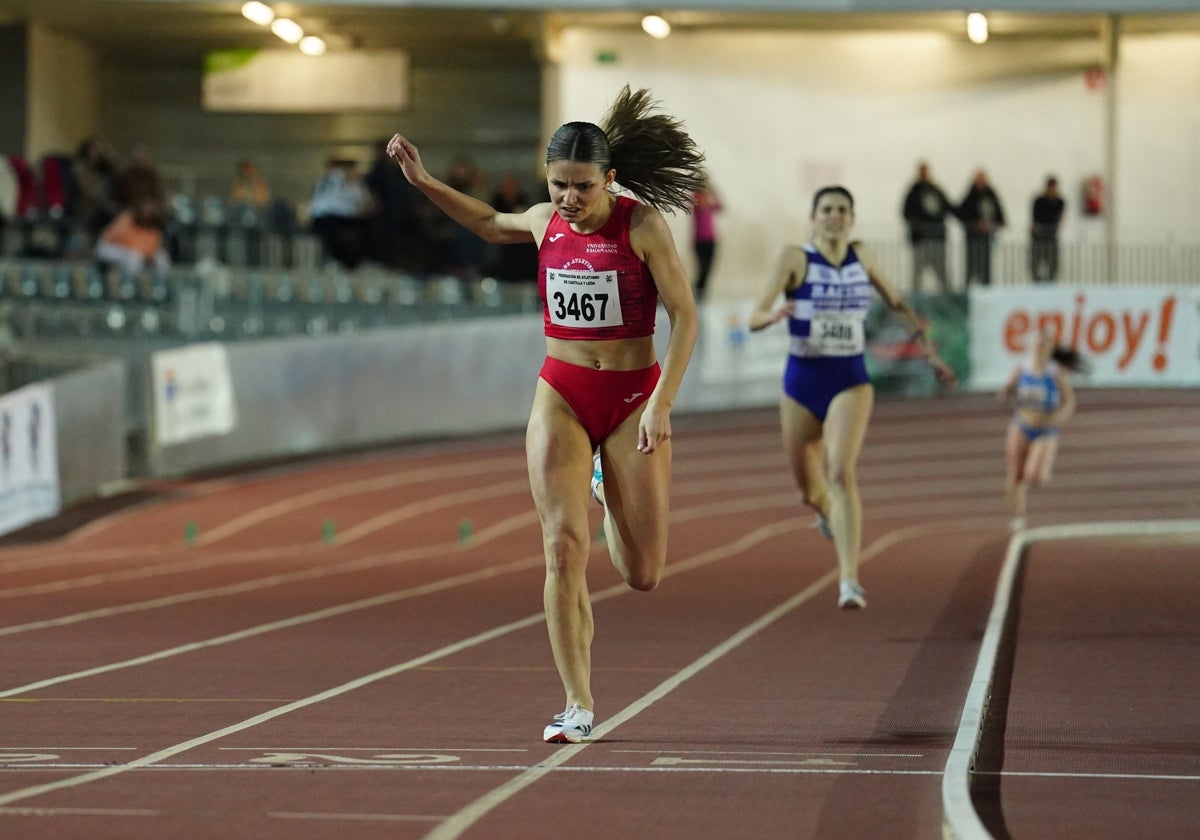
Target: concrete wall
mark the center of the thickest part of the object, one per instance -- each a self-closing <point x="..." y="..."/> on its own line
<point x="63" y="85"/>
<point x="781" y="114"/>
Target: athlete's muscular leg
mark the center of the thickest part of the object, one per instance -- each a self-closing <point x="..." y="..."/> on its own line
<point x="1016" y="451"/>
<point x="805" y="450"/>
<point x="1039" y="463"/>
<point x="845" y="430"/>
<point x="559" y="457"/>
<point x="637" y="504"/>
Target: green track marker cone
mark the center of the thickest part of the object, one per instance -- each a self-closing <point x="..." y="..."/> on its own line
<point x="328" y="532"/>
<point x="191" y="531"/>
<point x="464" y="531"/>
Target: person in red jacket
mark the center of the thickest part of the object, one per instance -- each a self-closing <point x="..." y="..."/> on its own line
<point x="603" y="402"/>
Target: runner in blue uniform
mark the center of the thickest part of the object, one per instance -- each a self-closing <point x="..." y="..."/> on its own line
<point x="827" y="395"/>
<point x="1044" y="401"/>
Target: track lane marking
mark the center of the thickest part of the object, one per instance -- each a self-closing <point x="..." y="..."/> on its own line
<point x="713" y="555"/>
<point x="960" y="821"/>
<point x="467" y="816"/>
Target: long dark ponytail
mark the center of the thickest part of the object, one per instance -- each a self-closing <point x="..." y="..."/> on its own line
<point x="655" y="158"/>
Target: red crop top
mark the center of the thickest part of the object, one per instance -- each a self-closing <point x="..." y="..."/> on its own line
<point x="593" y="286"/>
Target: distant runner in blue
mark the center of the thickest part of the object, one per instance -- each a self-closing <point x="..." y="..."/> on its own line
<point x="1044" y="401"/>
<point x="827" y="395"/>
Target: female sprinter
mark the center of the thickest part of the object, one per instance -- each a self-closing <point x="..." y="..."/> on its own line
<point x="1045" y="400"/>
<point x="604" y="263"/>
<point x="827" y="396"/>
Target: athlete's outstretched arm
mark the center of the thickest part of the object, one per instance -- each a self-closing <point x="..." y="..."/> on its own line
<point x="477" y="216"/>
<point x="905" y="314"/>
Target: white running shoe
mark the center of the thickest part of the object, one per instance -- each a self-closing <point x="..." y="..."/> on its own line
<point x="569" y="727"/>
<point x="822" y="525"/>
<point x="597" y="477"/>
<point x="851" y="595"/>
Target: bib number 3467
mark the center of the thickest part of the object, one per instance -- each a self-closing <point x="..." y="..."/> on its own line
<point x="583" y="299"/>
<point x="580" y="306"/>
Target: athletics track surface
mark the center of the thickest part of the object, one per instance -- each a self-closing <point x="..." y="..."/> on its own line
<point x="353" y="647"/>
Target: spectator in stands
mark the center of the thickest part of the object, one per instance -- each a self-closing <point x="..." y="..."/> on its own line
<point x="513" y="263"/>
<point x="339" y="213"/>
<point x="138" y="179"/>
<point x="133" y="241"/>
<point x="706" y="204"/>
<point x="249" y="186"/>
<point x="982" y="216"/>
<point x="925" y="210"/>
<point x="1047" y="215"/>
<point x="9" y="188"/>
<point x="397" y="234"/>
<point x="467" y="251"/>
<point x="95" y="175"/>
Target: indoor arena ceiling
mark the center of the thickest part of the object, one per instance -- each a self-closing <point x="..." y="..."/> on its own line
<point x="184" y="30"/>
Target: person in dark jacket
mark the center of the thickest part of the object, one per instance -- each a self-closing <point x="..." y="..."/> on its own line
<point x="925" y="210"/>
<point x="982" y="215"/>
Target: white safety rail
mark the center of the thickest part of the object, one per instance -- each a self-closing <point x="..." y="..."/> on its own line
<point x="959" y="818"/>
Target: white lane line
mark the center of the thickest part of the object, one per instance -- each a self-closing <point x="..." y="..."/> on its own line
<point x="74" y="554"/>
<point x="669" y="767"/>
<point x="880" y="462"/>
<point x="713" y="555"/>
<point x="270" y="627"/>
<point x="1137" y="777"/>
<point x="79" y="812"/>
<point x="409" y="511"/>
<point x="373" y="561"/>
<point x="959" y="819"/>
<point x="299" y="815"/>
<point x="471" y="813"/>
<point x="711" y="769"/>
<point x="959" y="502"/>
<point x="772" y="753"/>
<point x="289" y="504"/>
<point x="171" y="751"/>
<point x="484" y="535"/>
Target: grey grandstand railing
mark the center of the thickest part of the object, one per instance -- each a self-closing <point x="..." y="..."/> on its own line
<point x="1080" y="264"/>
<point x="208" y="299"/>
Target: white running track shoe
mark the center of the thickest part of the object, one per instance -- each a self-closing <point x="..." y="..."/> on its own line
<point x="851" y="595"/>
<point x="569" y="727"/>
<point x="597" y="477"/>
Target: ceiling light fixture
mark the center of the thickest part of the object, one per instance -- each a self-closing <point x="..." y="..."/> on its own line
<point x="977" y="27"/>
<point x="655" y="26"/>
<point x="288" y="30"/>
<point x="312" y="45"/>
<point x="257" y="12"/>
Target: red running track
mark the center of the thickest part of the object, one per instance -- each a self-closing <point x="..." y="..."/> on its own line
<point x="354" y="646"/>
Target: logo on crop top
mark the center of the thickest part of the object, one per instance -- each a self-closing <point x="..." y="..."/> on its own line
<point x="601" y="248"/>
<point x="554" y="237"/>
<point x="634" y="397"/>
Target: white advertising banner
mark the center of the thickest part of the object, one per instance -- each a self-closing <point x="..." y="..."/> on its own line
<point x="29" y="488"/>
<point x="281" y="80"/>
<point x="1130" y="337"/>
<point x="733" y="354"/>
<point x="193" y="393"/>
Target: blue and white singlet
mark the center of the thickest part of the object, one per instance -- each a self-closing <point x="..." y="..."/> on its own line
<point x="831" y="307"/>
<point x="1039" y="391"/>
